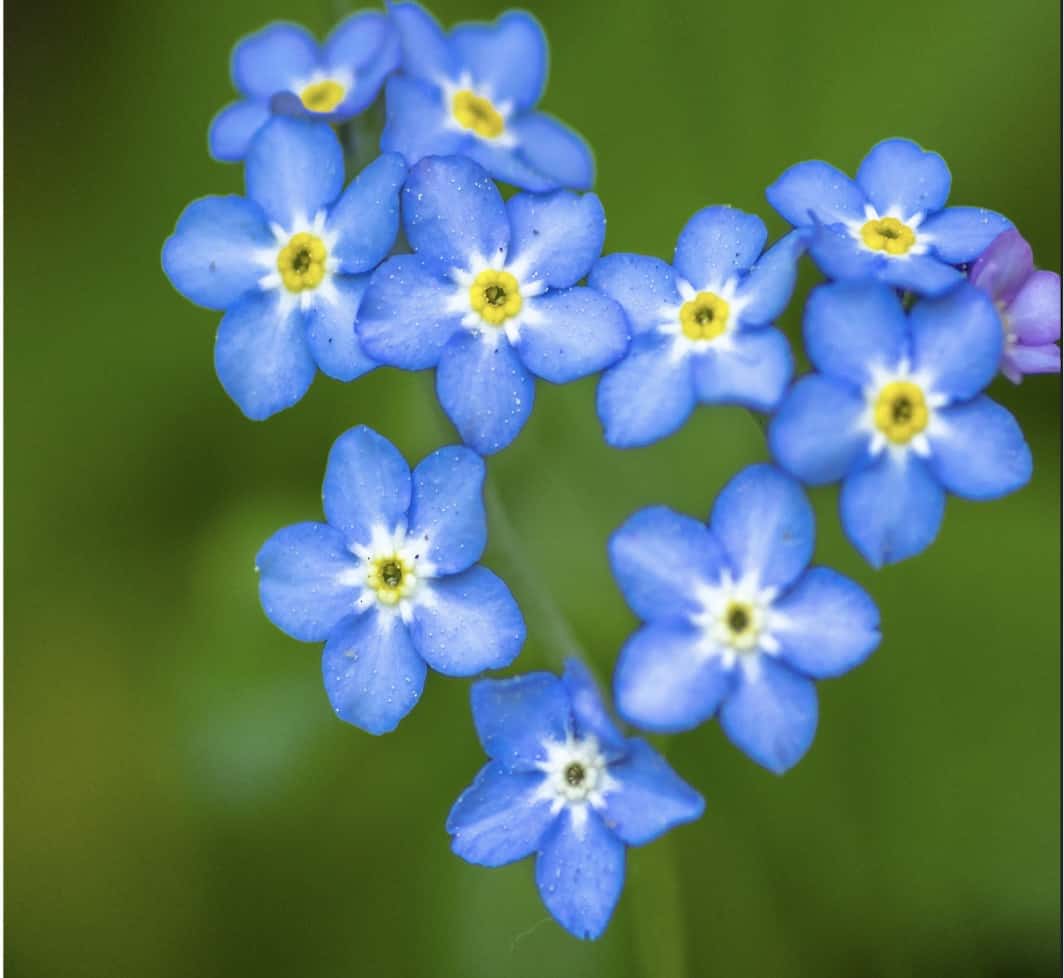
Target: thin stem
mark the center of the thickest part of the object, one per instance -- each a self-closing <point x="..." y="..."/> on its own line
<point x="657" y="907"/>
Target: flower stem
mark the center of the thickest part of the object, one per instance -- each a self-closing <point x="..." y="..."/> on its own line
<point x="657" y="913"/>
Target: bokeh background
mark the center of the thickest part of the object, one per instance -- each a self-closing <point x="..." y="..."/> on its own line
<point x="180" y="799"/>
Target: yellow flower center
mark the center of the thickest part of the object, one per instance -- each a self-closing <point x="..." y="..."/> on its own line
<point x="901" y="411"/>
<point x="888" y="234"/>
<point x="301" y="262"/>
<point x="475" y="112"/>
<point x="704" y="317"/>
<point x="496" y="296"/>
<point x="392" y="578"/>
<point x="322" y="96"/>
<point x="740" y="625"/>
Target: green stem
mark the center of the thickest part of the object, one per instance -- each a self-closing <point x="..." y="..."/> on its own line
<point x="657" y="909"/>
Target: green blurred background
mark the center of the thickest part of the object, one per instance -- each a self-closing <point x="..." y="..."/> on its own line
<point x="180" y="799"/>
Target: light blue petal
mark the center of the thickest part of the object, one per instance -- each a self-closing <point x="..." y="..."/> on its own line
<point x="922" y="274"/>
<point x="366" y="217"/>
<point x="497" y="819"/>
<point x="373" y="677"/>
<point x="580" y="874"/>
<point x="962" y="234"/>
<point x="753" y="370"/>
<point x="261" y="356"/>
<point x="416" y="121"/>
<point x="507" y="165"/>
<point x="367" y="484"/>
<point x="891" y="510"/>
<point x="772" y="719"/>
<point x="358" y="41"/>
<point x="516" y="717"/>
<point x="590" y="716"/>
<point x="764" y="521"/>
<point x="273" y="59"/>
<point x="897" y="175"/>
<point x="813" y="192"/>
<point x="294" y="169"/>
<point x="650" y="797"/>
<point x="718" y="244"/>
<point x="653" y="551"/>
<point x="978" y="450"/>
<point x="447" y="516"/>
<point x="467" y="623"/>
<point x="485" y="390"/>
<point x="646" y="396"/>
<point x="643" y="286"/>
<point x="826" y="624"/>
<point x="841" y="257"/>
<point x="507" y="59"/>
<point x="570" y="333"/>
<point x="233" y="128"/>
<point x="555" y="238"/>
<point x="555" y="150"/>
<point x="425" y="51"/>
<point x="765" y="292"/>
<point x="211" y="258"/>
<point x="331" y="336"/>
<point x="370" y="79"/>
<point x="305" y="584"/>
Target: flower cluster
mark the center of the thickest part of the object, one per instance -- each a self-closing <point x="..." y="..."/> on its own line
<point x="421" y="262"/>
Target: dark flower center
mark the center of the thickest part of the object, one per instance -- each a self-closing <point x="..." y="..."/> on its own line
<point x="901" y="410"/>
<point x="575" y="774"/>
<point x="738" y="619"/>
<point x="391" y="573"/>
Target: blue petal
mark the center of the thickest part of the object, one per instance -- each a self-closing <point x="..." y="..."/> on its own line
<point x="817" y="433"/>
<point x="765" y="292"/>
<point x="826" y="624"/>
<point x="646" y="396"/>
<point x="370" y="78"/>
<point x="367" y="484"/>
<point x="507" y="165"/>
<point x="425" y="51"/>
<point x="570" y="333"/>
<point x="851" y="328"/>
<point x="590" y="716"/>
<point x="978" y="450"/>
<point x="892" y="509"/>
<point x="922" y="274"/>
<point x="897" y="175"/>
<point x="331" y="329"/>
<point x="650" y="798"/>
<point x="765" y="524"/>
<point x="373" y="676"/>
<point x="717" y="244"/>
<point x="404" y="321"/>
<point x="416" y="121"/>
<point x="656" y="548"/>
<point x="840" y="256"/>
<point x="642" y="285"/>
<point x="273" y="60"/>
<point x="294" y="169"/>
<point x="485" y="390"/>
<point x="358" y="41"/>
<point x="366" y="217"/>
<point x="555" y="238"/>
<point x="956" y="341"/>
<point x="507" y="59"/>
<point x="753" y="370"/>
<point x="232" y="129"/>
<point x="962" y="234"/>
<point x="772" y="719"/>
<point x="498" y="819"/>
<point x="467" y="623"/>
<point x="516" y="717"/>
<point x="211" y="256"/>
<point x="261" y="356"/>
<point x="447" y="513"/>
<point x="664" y="680"/>
<point x="580" y="874"/>
<point x="554" y="150"/>
<point x="816" y="192"/>
<point x="305" y="573"/>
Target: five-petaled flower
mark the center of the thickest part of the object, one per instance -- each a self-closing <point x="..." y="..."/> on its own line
<point x="735" y="623"/>
<point x="489" y="297"/>
<point x="895" y="411"/>
<point x="282" y="69"/>
<point x="564" y="783"/>
<point x="389" y="582"/>
<point x="473" y="92"/>
<point x="288" y="264"/>
<point x="701" y="326"/>
<point x="891" y="224"/>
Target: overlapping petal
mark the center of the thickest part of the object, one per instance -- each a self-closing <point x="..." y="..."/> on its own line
<point x="898" y="176"/>
<point x="447" y="519"/>
<point x="717" y="244"/>
<point x="555" y="238"/>
<point x="753" y="370"/>
<point x="516" y="717"/>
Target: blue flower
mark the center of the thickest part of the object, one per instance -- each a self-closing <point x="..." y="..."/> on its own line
<point x="473" y="92"/>
<point x="388" y="582"/>
<point x="701" y="326"/>
<point x="892" y="224"/>
<point x="735" y="623"/>
<point x="565" y="784"/>
<point x="288" y="264"/>
<point x="488" y="297"/>
<point x="282" y="69"/>
<point x="895" y="411"/>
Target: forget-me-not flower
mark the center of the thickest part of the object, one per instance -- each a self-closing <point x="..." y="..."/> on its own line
<point x="896" y="411"/>
<point x="473" y="92"/>
<point x="288" y="263"/>
<point x="489" y="297"/>
<point x="282" y="68"/>
<point x="390" y="581"/>
<point x="565" y="784"/>
<point x="891" y="224"/>
<point x="701" y="327"/>
<point x="735" y="623"/>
